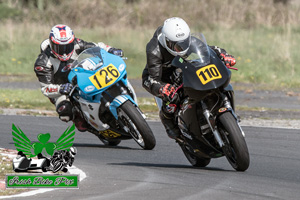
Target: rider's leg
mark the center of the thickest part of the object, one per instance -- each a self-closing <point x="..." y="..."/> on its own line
<point x="167" y="118"/>
<point x="64" y="108"/>
<point x="66" y="113"/>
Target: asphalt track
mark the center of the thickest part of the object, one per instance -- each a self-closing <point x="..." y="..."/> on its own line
<point x="128" y="172"/>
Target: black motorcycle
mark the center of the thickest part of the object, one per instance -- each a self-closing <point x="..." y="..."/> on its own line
<point x="207" y="120"/>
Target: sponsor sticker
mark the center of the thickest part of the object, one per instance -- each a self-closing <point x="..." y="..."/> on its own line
<point x="222" y="110"/>
<point x="89" y="88"/>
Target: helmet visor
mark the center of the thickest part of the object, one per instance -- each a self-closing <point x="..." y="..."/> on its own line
<point x="178" y="46"/>
<point x="62" y="49"/>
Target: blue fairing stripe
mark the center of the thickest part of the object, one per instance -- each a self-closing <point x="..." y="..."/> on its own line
<point x="117" y="102"/>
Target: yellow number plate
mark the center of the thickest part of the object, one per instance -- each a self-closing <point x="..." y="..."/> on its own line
<point x="208" y="73"/>
<point x="105" y="76"/>
<point x="109" y="134"/>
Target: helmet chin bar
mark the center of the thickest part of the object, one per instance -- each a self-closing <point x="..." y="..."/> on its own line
<point x="63" y="57"/>
<point x="174" y="53"/>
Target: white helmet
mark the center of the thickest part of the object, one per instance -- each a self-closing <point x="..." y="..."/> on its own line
<point x="176" y="36"/>
<point x="62" y="41"/>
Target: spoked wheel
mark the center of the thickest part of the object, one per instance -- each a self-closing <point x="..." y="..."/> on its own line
<point x="136" y="125"/>
<point x="235" y="149"/>
<point x="193" y="159"/>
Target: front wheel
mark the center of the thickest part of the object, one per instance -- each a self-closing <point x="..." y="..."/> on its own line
<point x="235" y="148"/>
<point x="136" y="125"/>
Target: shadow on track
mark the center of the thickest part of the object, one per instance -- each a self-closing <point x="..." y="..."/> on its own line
<point x="156" y="165"/>
<point x="104" y="146"/>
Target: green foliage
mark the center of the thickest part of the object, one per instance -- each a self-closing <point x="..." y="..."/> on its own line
<point x="262" y="35"/>
<point x="7" y="12"/>
<point x="145" y="13"/>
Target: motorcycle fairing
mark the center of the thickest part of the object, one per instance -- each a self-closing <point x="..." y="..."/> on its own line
<point x="191" y="124"/>
<point x="191" y="73"/>
<point x="85" y="82"/>
<point x="90" y="111"/>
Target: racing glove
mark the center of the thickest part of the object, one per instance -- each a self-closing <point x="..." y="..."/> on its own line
<point x="229" y="60"/>
<point x="168" y="93"/>
<point x="65" y="88"/>
<point x="117" y="52"/>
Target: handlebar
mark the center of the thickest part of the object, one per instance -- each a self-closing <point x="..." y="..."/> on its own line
<point x="229" y="67"/>
<point x="74" y="87"/>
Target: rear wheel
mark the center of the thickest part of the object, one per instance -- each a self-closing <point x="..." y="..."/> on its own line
<point x="235" y="149"/>
<point x="193" y="159"/>
<point x="136" y="125"/>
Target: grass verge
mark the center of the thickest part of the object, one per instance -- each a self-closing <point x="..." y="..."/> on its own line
<point x="264" y="55"/>
<point x="6" y="168"/>
<point x="25" y="99"/>
<point x="34" y="103"/>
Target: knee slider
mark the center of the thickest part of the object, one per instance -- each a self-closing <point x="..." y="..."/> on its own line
<point x="65" y="111"/>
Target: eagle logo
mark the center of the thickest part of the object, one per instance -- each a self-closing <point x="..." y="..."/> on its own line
<point x="32" y="149"/>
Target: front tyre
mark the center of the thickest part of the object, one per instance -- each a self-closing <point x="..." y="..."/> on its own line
<point x="235" y="149"/>
<point x="136" y="125"/>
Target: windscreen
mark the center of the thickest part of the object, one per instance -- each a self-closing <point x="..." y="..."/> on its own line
<point x="198" y="54"/>
<point x="89" y="59"/>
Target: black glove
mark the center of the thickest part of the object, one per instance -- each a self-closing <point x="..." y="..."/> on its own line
<point x="65" y="88"/>
<point x="117" y="52"/>
<point x="168" y="93"/>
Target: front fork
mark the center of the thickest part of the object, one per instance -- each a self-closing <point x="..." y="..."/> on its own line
<point x="212" y="122"/>
<point x="227" y="105"/>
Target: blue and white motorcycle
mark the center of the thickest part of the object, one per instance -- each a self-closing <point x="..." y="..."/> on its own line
<point x="106" y="99"/>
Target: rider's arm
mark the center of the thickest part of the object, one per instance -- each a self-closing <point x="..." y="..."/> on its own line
<point x="218" y="50"/>
<point x="44" y="72"/>
<point x="154" y="70"/>
<point x="82" y="45"/>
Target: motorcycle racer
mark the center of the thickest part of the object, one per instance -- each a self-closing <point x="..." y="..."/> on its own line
<point x="53" y="66"/>
<point x="170" y="40"/>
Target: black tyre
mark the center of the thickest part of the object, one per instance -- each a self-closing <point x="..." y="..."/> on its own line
<point x="136" y="125"/>
<point x="235" y="149"/>
<point x="193" y="159"/>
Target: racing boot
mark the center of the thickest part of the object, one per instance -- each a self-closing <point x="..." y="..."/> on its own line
<point x="80" y="123"/>
<point x="170" y="125"/>
<point x="66" y="113"/>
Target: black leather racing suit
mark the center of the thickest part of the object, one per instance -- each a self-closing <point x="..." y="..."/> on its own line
<point x="158" y="72"/>
<point x="158" y="68"/>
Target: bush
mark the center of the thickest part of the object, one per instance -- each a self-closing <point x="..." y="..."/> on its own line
<point x="144" y="13"/>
